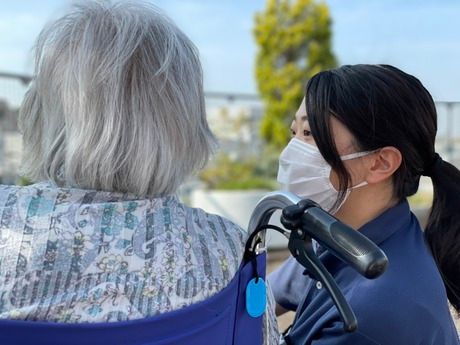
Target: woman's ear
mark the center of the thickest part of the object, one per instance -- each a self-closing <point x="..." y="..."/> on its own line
<point x="383" y="164"/>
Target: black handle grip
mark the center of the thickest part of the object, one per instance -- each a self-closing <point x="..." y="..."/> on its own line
<point x="344" y="242"/>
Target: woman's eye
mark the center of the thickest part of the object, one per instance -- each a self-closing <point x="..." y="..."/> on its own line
<point x="292" y="133"/>
<point x="306" y="133"/>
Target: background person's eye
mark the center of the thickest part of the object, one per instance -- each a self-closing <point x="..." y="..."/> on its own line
<point x="306" y="133"/>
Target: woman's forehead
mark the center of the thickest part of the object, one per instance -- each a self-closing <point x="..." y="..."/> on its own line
<point x="301" y="113"/>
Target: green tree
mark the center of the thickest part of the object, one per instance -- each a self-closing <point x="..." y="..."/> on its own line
<point x="294" y="43"/>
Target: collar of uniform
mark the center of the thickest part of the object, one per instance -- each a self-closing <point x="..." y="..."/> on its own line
<point x="377" y="230"/>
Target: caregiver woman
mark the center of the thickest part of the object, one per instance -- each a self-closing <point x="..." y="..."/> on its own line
<point x="361" y="139"/>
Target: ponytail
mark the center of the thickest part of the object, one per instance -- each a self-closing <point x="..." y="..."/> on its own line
<point x="443" y="228"/>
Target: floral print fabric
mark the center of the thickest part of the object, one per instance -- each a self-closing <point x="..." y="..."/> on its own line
<point x="69" y="255"/>
<point x="72" y="255"/>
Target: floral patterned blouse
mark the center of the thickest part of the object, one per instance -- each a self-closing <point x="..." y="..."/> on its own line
<point x="73" y="255"/>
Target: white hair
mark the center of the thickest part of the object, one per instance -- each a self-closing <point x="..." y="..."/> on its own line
<point x="116" y="102"/>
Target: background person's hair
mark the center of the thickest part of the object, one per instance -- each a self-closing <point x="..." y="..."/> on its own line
<point x="116" y="102"/>
<point x="383" y="106"/>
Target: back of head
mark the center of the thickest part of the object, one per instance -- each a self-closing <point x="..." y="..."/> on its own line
<point x="116" y="102"/>
<point x="383" y="106"/>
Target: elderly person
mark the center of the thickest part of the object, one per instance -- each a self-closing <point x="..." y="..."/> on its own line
<point x="113" y="123"/>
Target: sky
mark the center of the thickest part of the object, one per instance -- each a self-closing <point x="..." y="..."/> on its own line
<point x="420" y="37"/>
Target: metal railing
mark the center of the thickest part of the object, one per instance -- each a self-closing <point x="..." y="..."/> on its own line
<point x="13" y="87"/>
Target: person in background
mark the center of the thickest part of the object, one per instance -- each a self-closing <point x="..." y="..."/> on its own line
<point x="113" y="123"/>
<point x="361" y="139"/>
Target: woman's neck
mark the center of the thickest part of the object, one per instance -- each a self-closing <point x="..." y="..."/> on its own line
<point x="366" y="204"/>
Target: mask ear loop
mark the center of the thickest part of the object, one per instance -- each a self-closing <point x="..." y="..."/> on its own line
<point x="361" y="184"/>
<point x="357" y="155"/>
<point x="348" y="192"/>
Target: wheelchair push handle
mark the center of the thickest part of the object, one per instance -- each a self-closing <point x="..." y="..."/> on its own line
<point x="341" y="240"/>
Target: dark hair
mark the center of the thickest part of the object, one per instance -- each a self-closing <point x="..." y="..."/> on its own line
<point x="383" y="106"/>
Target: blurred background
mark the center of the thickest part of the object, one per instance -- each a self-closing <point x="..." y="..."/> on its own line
<point x="257" y="56"/>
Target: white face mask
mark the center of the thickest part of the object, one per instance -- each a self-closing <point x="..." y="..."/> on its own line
<point x="304" y="172"/>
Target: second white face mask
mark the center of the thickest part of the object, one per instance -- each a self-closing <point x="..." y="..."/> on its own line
<point x="304" y="172"/>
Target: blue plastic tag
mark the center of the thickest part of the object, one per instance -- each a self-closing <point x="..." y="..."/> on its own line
<point x="256" y="297"/>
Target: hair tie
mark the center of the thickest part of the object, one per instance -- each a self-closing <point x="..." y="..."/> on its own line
<point x="431" y="168"/>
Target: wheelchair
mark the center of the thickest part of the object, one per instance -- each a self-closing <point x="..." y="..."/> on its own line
<point x="234" y="315"/>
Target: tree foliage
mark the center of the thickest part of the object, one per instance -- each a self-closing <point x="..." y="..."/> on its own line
<point x="294" y="43"/>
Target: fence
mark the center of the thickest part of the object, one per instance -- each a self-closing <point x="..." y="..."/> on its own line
<point x="224" y="109"/>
